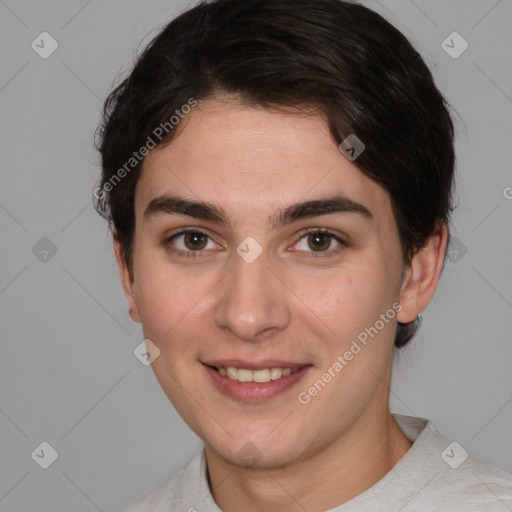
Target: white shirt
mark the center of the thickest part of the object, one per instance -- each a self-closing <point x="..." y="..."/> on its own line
<point x="433" y="476"/>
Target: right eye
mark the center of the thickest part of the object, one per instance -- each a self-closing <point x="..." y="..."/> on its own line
<point x="189" y="243"/>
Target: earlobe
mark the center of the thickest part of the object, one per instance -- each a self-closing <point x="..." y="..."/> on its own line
<point x="126" y="281"/>
<point x="134" y="315"/>
<point x="422" y="275"/>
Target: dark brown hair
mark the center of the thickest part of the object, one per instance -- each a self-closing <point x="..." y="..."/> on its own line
<point x="339" y="58"/>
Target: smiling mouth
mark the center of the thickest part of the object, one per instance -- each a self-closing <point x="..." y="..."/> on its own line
<point x="262" y="381"/>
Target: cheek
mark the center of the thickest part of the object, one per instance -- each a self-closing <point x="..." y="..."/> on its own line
<point x="175" y="305"/>
<point x="163" y="298"/>
<point x="346" y="300"/>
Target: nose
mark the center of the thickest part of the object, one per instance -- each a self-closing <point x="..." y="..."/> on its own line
<point x="252" y="302"/>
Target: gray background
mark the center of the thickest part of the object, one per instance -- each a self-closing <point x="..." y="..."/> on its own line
<point x="68" y="375"/>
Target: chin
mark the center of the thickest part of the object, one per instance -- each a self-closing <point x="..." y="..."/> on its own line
<point x="258" y="452"/>
<point x="262" y="457"/>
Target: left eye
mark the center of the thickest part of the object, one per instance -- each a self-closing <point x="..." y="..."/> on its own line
<point x="318" y="241"/>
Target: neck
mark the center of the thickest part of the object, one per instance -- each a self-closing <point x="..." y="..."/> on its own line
<point x="345" y="468"/>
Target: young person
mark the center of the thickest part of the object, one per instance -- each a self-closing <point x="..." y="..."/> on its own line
<point x="278" y="176"/>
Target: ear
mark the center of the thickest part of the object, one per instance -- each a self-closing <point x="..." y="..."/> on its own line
<point x="126" y="280"/>
<point x="422" y="275"/>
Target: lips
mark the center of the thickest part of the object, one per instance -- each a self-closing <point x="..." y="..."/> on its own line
<point x="254" y="381"/>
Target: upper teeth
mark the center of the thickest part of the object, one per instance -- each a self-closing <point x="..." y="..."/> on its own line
<point x="264" y="375"/>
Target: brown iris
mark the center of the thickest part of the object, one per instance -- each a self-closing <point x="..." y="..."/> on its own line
<point x="319" y="241"/>
<point x="195" y="240"/>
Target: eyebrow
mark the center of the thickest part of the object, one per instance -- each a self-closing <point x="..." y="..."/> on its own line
<point x="168" y="204"/>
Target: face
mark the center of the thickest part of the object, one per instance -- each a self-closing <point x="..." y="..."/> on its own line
<point x="248" y="279"/>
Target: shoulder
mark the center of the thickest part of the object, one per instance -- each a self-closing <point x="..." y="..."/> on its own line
<point x="450" y="479"/>
<point x="474" y="487"/>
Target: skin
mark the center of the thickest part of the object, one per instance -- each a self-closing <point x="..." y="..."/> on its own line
<point x="286" y="304"/>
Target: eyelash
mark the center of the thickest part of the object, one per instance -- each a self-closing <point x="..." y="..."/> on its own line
<point x="302" y="234"/>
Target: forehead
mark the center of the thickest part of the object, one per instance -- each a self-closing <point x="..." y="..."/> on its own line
<point x="253" y="161"/>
